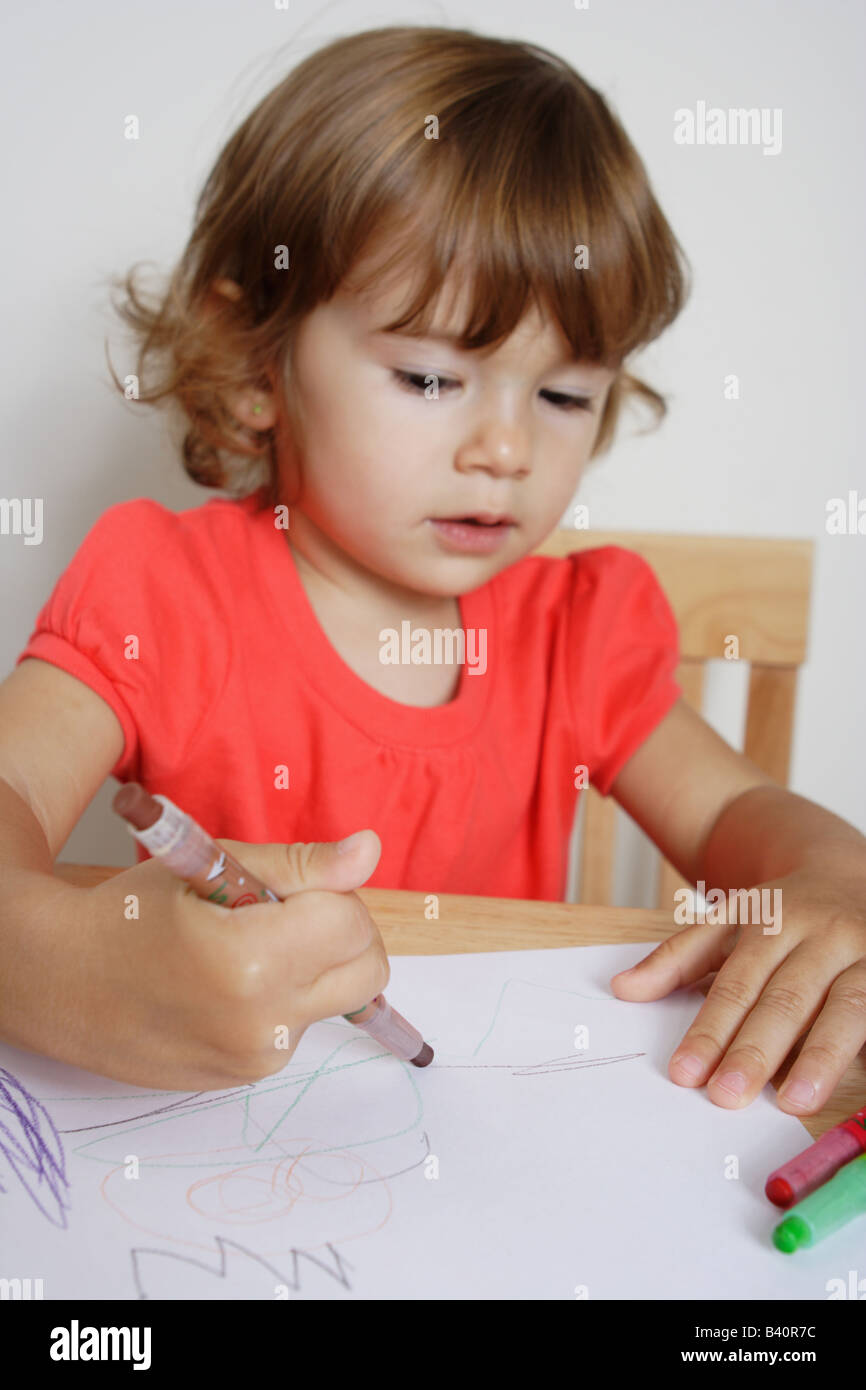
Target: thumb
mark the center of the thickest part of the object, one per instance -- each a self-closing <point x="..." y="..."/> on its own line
<point x="681" y="959"/>
<point x="337" y="866"/>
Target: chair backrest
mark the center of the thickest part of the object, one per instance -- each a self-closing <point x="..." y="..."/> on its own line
<point x="720" y="588"/>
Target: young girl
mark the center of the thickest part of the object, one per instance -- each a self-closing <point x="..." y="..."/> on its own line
<point x="397" y="335"/>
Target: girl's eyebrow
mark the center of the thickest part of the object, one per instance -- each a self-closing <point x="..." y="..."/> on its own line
<point x="415" y="337"/>
<point x="452" y="340"/>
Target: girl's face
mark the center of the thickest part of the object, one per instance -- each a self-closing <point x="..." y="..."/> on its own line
<point x="382" y="457"/>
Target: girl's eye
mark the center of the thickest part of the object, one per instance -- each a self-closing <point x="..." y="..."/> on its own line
<point x="417" y="381"/>
<point x="568" y="402"/>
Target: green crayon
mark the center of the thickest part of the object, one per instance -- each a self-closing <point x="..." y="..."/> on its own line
<point x="824" y="1210"/>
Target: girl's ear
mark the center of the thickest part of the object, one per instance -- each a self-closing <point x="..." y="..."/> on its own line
<point x="220" y="294"/>
<point x="229" y="289"/>
<point x="255" y="407"/>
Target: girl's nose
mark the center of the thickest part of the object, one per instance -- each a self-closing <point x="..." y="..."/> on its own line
<point x="500" y="447"/>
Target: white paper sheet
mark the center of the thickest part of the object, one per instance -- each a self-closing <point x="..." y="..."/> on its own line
<point x="517" y="1165"/>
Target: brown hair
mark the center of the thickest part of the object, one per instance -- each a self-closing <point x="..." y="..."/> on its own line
<point x="528" y="164"/>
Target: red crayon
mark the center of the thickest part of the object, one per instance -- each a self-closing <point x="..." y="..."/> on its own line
<point x="809" y="1169"/>
<point x="172" y="836"/>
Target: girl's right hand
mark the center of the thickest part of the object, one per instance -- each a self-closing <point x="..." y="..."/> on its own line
<point x="182" y="994"/>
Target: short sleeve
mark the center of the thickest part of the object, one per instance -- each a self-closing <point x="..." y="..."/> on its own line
<point x="123" y="618"/>
<point x="624" y="652"/>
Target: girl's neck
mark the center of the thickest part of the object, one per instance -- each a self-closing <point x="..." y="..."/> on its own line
<point x="336" y="584"/>
<point x="352" y="616"/>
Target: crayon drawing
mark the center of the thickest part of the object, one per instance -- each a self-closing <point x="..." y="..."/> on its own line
<point x="510" y="1161"/>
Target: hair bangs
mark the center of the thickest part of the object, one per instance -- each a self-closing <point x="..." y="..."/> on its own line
<point x="481" y="167"/>
<point x="536" y="216"/>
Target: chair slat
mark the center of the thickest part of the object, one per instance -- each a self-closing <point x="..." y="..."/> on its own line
<point x="690" y="675"/>
<point x="770" y="719"/>
<point x="596" y="860"/>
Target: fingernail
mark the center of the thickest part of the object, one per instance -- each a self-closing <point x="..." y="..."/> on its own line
<point x="800" y="1092"/>
<point x="689" y="1063"/>
<point x="346" y="846"/>
<point x="732" y="1081"/>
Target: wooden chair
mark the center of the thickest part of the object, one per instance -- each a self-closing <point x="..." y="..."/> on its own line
<point x="718" y="586"/>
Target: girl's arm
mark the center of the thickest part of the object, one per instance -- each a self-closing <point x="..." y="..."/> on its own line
<point x="718" y="818"/>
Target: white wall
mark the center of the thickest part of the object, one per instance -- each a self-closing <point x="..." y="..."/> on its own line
<point x="775" y="242"/>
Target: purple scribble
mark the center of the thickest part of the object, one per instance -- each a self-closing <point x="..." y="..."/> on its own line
<point x="35" y="1157"/>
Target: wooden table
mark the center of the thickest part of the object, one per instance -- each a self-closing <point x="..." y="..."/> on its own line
<point x="509" y="924"/>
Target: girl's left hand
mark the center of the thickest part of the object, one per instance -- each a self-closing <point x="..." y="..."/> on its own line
<point x="771" y="988"/>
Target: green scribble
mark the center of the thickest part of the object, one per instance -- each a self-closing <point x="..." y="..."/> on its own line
<point x="606" y="998"/>
<point x="304" y="1078"/>
<point x="264" y="1088"/>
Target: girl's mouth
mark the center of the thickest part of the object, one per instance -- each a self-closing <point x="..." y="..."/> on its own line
<point x="471" y="534"/>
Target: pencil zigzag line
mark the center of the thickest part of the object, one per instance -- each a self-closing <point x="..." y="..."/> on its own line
<point x="224" y="1245"/>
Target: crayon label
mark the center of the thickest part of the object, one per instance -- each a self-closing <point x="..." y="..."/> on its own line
<point x="857" y="1126"/>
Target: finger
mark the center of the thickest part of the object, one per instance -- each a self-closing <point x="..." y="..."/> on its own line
<point x="291" y="942"/>
<point x="832" y="1044"/>
<point x="733" y="993"/>
<point x="343" y="988"/>
<point x="789" y="1003"/>
<point x="299" y="867"/>
<point x="679" y="960"/>
<point x="311" y="933"/>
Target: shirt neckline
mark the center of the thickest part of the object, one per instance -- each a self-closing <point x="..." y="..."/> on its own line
<point x="336" y="683"/>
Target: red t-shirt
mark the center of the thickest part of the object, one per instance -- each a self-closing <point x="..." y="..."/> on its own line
<point x="234" y="690"/>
